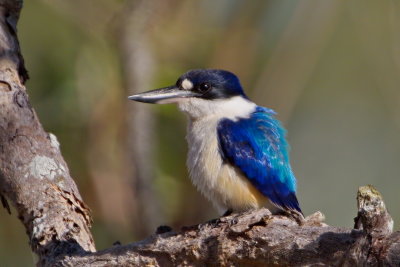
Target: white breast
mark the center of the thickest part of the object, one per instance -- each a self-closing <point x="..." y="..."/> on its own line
<point x="203" y="161"/>
<point x="221" y="183"/>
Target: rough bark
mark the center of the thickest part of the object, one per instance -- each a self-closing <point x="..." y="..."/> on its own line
<point x="33" y="174"/>
<point x="254" y="239"/>
<point x="35" y="178"/>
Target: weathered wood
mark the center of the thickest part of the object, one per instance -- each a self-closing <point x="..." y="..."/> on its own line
<point x="36" y="180"/>
<point x="251" y="239"/>
<point x="33" y="174"/>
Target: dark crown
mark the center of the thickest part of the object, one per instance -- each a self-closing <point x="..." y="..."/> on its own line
<point x="213" y="83"/>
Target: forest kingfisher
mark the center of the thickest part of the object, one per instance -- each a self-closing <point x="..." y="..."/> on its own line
<point x="238" y="156"/>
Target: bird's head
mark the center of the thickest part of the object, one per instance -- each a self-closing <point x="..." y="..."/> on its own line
<point x="199" y="92"/>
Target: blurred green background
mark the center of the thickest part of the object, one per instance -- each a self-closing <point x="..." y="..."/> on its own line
<point x="331" y="69"/>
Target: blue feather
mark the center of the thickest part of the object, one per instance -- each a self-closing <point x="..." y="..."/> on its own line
<point x="257" y="146"/>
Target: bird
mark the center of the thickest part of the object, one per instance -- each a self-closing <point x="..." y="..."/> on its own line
<point x="238" y="156"/>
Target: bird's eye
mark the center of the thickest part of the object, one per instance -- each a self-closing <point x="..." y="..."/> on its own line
<point x="204" y="87"/>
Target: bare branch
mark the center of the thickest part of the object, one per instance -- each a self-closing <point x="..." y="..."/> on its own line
<point x="251" y="239"/>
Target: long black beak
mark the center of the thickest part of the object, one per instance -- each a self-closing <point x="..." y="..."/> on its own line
<point x="165" y="95"/>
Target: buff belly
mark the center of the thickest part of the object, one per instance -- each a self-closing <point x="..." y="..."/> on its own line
<point x="236" y="192"/>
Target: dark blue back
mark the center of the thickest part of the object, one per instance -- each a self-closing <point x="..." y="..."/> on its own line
<point x="257" y="146"/>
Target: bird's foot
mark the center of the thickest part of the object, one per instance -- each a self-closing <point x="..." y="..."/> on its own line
<point x="214" y="222"/>
<point x="280" y="212"/>
<point x="223" y="218"/>
<point x="227" y="212"/>
<point x="232" y="220"/>
<point x="294" y="215"/>
<point x="163" y="229"/>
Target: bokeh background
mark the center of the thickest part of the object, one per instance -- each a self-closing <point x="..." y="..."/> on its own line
<point x="331" y="69"/>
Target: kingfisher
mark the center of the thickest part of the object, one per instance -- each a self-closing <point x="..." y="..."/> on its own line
<point x="237" y="151"/>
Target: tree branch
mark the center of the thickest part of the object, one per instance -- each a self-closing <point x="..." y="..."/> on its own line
<point x="35" y="178"/>
<point x="255" y="238"/>
<point x="33" y="174"/>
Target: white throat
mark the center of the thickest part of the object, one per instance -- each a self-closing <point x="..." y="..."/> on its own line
<point x="231" y="108"/>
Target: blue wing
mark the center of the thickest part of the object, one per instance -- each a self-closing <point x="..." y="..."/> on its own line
<point x="257" y="146"/>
